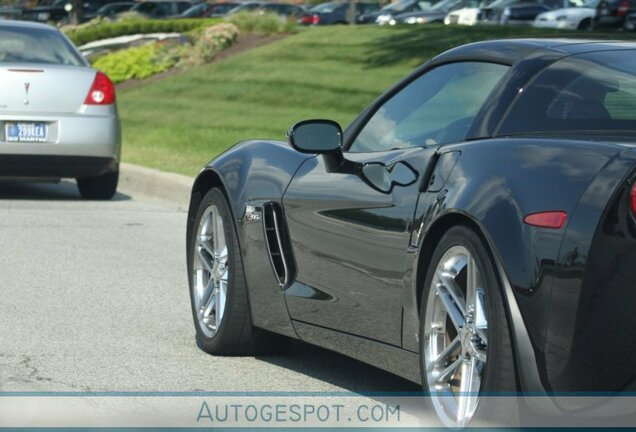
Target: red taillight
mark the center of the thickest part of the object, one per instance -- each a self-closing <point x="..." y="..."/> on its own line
<point x="623" y="8"/>
<point x="305" y="19"/>
<point x="632" y="199"/>
<point x="102" y="91"/>
<point x="549" y="219"/>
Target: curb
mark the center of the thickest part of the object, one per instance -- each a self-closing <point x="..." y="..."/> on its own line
<point x="150" y="182"/>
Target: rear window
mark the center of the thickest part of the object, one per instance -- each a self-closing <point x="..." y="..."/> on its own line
<point x="594" y="92"/>
<point x="34" y="45"/>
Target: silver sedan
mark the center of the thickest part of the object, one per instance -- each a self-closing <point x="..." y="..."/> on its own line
<point x="58" y="116"/>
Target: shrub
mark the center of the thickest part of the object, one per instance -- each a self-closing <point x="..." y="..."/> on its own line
<point x="146" y="60"/>
<point x="135" y="63"/>
<point x="208" y="42"/>
<point x="104" y="30"/>
<point x="268" y="23"/>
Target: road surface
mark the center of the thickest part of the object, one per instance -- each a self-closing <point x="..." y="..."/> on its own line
<point x="94" y="298"/>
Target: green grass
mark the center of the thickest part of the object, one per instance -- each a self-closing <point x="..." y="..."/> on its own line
<point x="180" y="123"/>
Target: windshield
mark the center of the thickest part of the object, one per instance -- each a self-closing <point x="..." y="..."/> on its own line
<point x="35" y="45"/>
<point x="327" y="7"/>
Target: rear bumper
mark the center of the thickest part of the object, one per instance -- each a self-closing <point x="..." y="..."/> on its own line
<point x="38" y="166"/>
<point x="70" y="135"/>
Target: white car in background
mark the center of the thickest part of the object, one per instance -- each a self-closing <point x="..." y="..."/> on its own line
<point x="568" y="18"/>
<point x="465" y="16"/>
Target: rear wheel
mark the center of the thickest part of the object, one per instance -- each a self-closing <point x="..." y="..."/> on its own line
<point x="218" y="291"/>
<point x="465" y="344"/>
<point x="102" y="187"/>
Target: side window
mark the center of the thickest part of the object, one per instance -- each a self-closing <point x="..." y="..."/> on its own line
<point x="436" y="108"/>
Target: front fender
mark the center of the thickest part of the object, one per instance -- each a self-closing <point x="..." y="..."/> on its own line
<point x="254" y="173"/>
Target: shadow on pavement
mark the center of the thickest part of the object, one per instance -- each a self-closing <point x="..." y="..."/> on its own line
<point x="65" y="190"/>
<point x="339" y="370"/>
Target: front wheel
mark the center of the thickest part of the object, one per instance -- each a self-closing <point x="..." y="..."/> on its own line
<point x="465" y="344"/>
<point x="218" y="291"/>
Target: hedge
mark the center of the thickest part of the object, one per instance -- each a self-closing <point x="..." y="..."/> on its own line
<point x="84" y="35"/>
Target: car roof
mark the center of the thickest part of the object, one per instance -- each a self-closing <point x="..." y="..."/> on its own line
<point x="509" y="51"/>
<point x="25" y="24"/>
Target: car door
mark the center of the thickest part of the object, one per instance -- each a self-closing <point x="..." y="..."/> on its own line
<point x="350" y="226"/>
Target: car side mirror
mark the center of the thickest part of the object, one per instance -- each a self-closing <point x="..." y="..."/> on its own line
<point x="316" y="136"/>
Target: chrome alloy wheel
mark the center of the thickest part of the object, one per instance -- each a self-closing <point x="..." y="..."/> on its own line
<point x="210" y="271"/>
<point x="455" y="336"/>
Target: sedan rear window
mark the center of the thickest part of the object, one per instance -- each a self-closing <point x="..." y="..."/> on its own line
<point x="589" y="93"/>
<point x="36" y="45"/>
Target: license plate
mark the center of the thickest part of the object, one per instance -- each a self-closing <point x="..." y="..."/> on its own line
<point x="604" y="11"/>
<point x="26" y="132"/>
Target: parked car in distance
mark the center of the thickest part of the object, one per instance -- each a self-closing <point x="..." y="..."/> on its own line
<point x="335" y="13"/>
<point x="110" y="10"/>
<point x="462" y="234"/>
<point x="55" y="10"/>
<point x="58" y="116"/>
<point x="568" y="18"/>
<point x="386" y="14"/>
<point x="613" y="14"/>
<point x="209" y="10"/>
<point x="162" y="8"/>
<point x="284" y="10"/>
<point x="435" y="14"/>
<point x="505" y="12"/>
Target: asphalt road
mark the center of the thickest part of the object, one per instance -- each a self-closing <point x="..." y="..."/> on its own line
<point x="93" y="297"/>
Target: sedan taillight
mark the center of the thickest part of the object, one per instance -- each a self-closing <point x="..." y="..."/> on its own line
<point x="102" y="91"/>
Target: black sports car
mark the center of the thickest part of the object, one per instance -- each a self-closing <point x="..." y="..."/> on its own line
<point x="473" y="230"/>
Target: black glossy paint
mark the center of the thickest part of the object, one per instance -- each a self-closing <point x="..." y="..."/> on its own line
<point x="360" y="252"/>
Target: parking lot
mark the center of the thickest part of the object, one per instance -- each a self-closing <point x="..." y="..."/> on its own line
<point x="94" y="298"/>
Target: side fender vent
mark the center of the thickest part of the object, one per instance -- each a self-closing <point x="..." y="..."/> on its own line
<point x="278" y="244"/>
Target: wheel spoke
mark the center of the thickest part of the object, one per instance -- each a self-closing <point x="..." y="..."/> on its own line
<point x="472" y="281"/>
<point x="444" y="376"/>
<point x="219" y="235"/>
<point x="443" y="357"/>
<point x="455" y="315"/>
<point x="208" y="299"/>
<point x="206" y="260"/>
<point x="204" y="243"/>
<point x="469" y="389"/>
<point x="453" y="289"/>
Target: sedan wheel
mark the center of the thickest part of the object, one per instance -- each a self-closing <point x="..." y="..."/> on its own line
<point x="464" y="330"/>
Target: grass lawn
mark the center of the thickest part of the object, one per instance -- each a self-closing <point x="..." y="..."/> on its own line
<point x="179" y="123"/>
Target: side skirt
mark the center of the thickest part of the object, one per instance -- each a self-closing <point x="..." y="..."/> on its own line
<point x="390" y="358"/>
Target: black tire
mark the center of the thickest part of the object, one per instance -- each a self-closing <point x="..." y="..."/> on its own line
<point x="235" y="335"/>
<point x="499" y="375"/>
<point x="102" y="187"/>
<point x="586" y="24"/>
